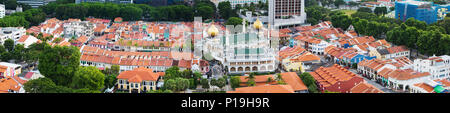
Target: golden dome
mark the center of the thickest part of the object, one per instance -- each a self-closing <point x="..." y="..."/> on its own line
<point x="213" y="31"/>
<point x="257" y="24"/>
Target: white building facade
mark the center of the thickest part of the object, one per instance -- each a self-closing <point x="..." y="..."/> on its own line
<point x="438" y="67"/>
<point x="2" y="10"/>
<point x="286" y="13"/>
<point x="244" y="52"/>
<point x="13" y="33"/>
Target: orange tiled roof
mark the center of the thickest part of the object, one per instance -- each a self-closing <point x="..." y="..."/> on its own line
<point x="137" y="75"/>
<point x="259" y="80"/>
<point x="292" y="79"/>
<point x="23" y="38"/>
<point x="365" y="88"/>
<point x="407" y="74"/>
<point x="7" y="84"/>
<point x="328" y="76"/>
<point x="308" y="56"/>
<point x="397" y="49"/>
<point x="288" y="52"/>
<point x="265" y="89"/>
<point x="425" y="86"/>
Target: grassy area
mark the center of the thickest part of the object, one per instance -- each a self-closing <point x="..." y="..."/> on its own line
<point x="348" y="12"/>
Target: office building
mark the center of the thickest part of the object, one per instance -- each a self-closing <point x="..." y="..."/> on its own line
<point x="286" y="13"/>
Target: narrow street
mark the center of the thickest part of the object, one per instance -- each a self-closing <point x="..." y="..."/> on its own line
<point x="386" y="90"/>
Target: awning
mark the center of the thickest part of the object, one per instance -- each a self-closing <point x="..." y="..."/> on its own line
<point x="439" y="89"/>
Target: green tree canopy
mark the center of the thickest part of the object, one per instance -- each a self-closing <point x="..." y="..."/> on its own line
<point x="234" y="21"/>
<point x="225" y="9"/>
<point x="59" y="63"/>
<point x="88" y="77"/>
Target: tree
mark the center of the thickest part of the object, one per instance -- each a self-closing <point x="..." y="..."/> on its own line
<point x="59" y="63"/>
<point x="10" y="4"/>
<point x="269" y="80"/>
<point x="172" y="72"/>
<point x="66" y="11"/>
<point x="364" y="9"/>
<point x="9" y="44"/>
<point x="353" y="4"/>
<point x="251" y="79"/>
<point x="170" y="84"/>
<point x="197" y="76"/>
<point x="206" y="12"/>
<point x="380" y="10"/>
<point x="181" y="84"/>
<point x="221" y="82"/>
<point x="445" y="23"/>
<point x="416" y="23"/>
<point x="337" y="3"/>
<point x="391" y="8"/>
<point x="205" y="84"/>
<point x="364" y="15"/>
<point x="40" y="85"/>
<point x="309" y="3"/>
<point x="187" y="73"/>
<point x="130" y="13"/>
<point x="192" y="84"/>
<point x="110" y="80"/>
<point x="235" y="81"/>
<point x="341" y="21"/>
<point x="213" y="82"/>
<point x="312" y="89"/>
<point x="234" y="21"/>
<point x="115" y="69"/>
<point x="316" y="14"/>
<point x="412" y="34"/>
<point x="307" y="79"/>
<point x="88" y="77"/>
<point x="19" y="52"/>
<point x="225" y="10"/>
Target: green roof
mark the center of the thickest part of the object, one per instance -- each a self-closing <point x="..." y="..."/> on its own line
<point x="439" y="89"/>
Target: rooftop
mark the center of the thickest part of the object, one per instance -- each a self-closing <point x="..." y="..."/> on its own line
<point x="265" y="89"/>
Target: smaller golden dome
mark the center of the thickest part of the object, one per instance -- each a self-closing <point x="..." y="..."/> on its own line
<point x="257" y="24"/>
<point x="213" y="31"/>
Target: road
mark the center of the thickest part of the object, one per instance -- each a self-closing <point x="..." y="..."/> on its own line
<point x="386" y="90"/>
<point x="326" y="63"/>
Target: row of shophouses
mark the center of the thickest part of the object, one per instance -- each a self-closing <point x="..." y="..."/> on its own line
<point x="378" y="60"/>
<point x="402" y="74"/>
<point x="158" y="61"/>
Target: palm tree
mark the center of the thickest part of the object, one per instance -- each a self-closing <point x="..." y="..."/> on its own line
<point x="251" y="79"/>
<point x="269" y="80"/>
<point x="279" y="79"/>
<point x="121" y="41"/>
<point x="129" y="43"/>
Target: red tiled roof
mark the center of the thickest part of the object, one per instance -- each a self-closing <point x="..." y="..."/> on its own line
<point x="137" y="75"/>
<point x="335" y="78"/>
<point x="7" y="84"/>
<point x="265" y="89"/>
<point x="365" y="88"/>
<point x="292" y="79"/>
<point x="397" y="49"/>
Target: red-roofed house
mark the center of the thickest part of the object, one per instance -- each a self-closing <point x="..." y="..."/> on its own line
<point x="138" y="80"/>
<point x="27" y="40"/>
<point x="365" y="88"/>
<point x="335" y="79"/>
<point x="265" y="89"/>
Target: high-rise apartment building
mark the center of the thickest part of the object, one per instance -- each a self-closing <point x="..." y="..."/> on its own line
<point x="2" y="10"/>
<point x="286" y="13"/>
